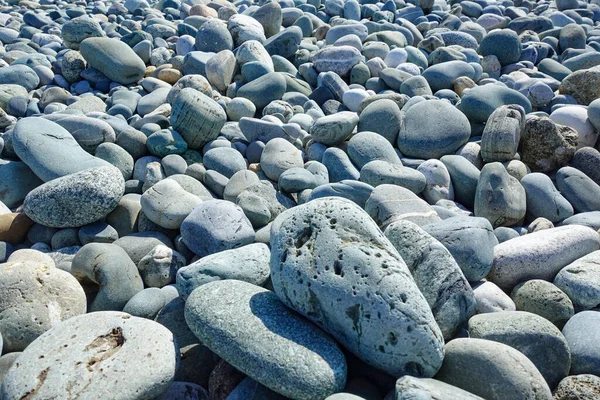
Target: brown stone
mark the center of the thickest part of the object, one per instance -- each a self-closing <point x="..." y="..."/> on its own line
<point x="223" y="379"/>
<point x="545" y="145"/>
<point x="584" y="85"/>
<point x="14" y="228"/>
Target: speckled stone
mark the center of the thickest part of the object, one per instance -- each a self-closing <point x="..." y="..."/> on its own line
<point x="76" y="200"/>
<point x="250" y="328"/>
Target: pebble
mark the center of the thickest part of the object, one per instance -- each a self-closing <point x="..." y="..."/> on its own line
<point x="544" y="299"/>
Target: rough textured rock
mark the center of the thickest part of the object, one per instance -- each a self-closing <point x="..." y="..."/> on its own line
<point x="332" y="264"/>
<point x="500" y="138"/>
<point x="96" y="343"/>
<point x="76" y="200"/>
<point x="436" y="274"/>
<point x="545" y="145"/>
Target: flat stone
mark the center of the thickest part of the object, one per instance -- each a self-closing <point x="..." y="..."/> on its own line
<point x="262" y="344"/>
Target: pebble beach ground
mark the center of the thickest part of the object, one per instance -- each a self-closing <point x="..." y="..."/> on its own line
<point x="300" y="199"/>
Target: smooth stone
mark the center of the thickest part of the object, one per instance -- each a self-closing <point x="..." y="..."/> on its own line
<point x="355" y="191"/>
<point x="389" y="203"/>
<point x="41" y="144"/>
<point x="499" y="197"/>
<point x="159" y="267"/>
<point x="196" y="117"/>
<point x="365" y="147"/>
<point x="409" y="387"/>
<point x="587" y="160"/>
<point x="579" y="280"/>
<point x="214" y="226"/>
<point x="438" y="185"/>
<point x="77" y="199"/>
<point x="471" y="242"/>
<point x="543" y="199"/>
<point x="88" y="132"/>
<point x="146" y="304"/>
<point x="490" y="298"/>
<point x="504" y="44"/>
<point x="380" y="172"/>
<point x="108" y="266"/>
<point x="544" y="299"/>
<point x="296" y="180"/>
<point x="278" y="156"/>
<point x="534" y="336"/>
<point x="263" y="90"/>
<point x="213" y="36"/>
<point x="98" y="232"/>
<point x="113" y="58"/>
<point x="444" y="75"/>
<point x="35" y="291"/>
<point x="437" y="275"/>
<point x="334" y="129"/>
<point x="555" y="248"/>
<point x="582" y="192"/>
<point x="168" y="204"/>
<point x="248" y="263"/>
<point x="443" y="132"/>
<point x="383" y="117"/>
<point x="96" y="342"/>
<point x="138" y="245"/>
<point x="269" y="333"/>
<point x="21" y="75"/>
<point x="226" y="161"/>
<point x="576" y="117"/>
<point x="581" y="332"/>
<point x="492" y="370"/>
<point x="16" y="181"/>
<point x="481" y="101"/>
<point x="313" y="237"/>
<point x="337" y="59"/>
<point x="464" y="176"/>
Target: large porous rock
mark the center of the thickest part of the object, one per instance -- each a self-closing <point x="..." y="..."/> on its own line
<point x="502" y="132"/>
<point x="331" y="263"/>
<point x="436" y="274"/>
<point x="471" y="242"/>
<point x="492" y="370"/>
<point x="532" y="335"/>
<point x="35" y="291"/>
<point x="409" y="387"/>
<point x="250" y="328"/>
<point x="499" y="197"/>
<point x="545" y="145"/>
<point x="197" y="117"/>
<point x="540" y="255"/>
<point x="42" y="145"/>
<point x="76" y="200"/>
<point x="96" y="355"/>
<point x="113" y="58"/>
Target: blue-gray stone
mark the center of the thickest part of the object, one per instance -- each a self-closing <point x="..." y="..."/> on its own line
<point x="582" y="192"/>
<point x="481" y="101"/>
<point x="251" y="329"/>
<point x="543" y="199"/>
<point x="581" y="332"/>
<point x="113" y="58"/>
<point x="504" y="44"/>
